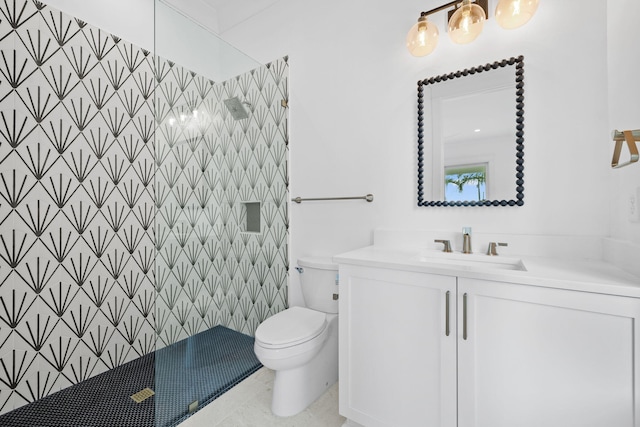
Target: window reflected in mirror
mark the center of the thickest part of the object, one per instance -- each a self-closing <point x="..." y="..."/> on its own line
<point x="465" y="182"/>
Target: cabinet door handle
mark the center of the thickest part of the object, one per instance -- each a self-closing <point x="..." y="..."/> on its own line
<point x="446" y="314"/>
<point x="464" y="316"/>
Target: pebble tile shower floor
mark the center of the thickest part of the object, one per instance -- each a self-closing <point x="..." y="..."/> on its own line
<point x="201" y="368"/>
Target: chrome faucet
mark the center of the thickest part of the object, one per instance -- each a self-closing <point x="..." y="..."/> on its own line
<point x="446" y="243"/>
<point x="492" y="250"/>
<point x="466" y="240"/>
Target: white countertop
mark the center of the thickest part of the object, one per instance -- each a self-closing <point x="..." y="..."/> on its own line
<point x="582" y="275"/>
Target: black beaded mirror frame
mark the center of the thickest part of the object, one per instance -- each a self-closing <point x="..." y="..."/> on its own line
<point x="519" y="78"/>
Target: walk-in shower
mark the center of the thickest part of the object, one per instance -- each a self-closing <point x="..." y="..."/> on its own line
<point x="129" y="270"/>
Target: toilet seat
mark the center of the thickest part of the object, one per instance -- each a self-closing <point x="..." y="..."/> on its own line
<point x="291" y="327"/>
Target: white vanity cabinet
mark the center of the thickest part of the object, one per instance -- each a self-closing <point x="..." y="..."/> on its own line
<point x="397" y="364"/>
<point x="535" y="356"/>
<point x="516" y="355"/>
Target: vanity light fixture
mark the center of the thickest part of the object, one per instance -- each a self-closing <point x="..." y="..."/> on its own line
<point x="515" y="13"/>
<point x="466" y="21"/>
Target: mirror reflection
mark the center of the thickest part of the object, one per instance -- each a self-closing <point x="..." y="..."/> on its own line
<point x="470" y="146"/>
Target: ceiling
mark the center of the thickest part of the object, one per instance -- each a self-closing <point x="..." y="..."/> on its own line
<point x="232" y="12"/>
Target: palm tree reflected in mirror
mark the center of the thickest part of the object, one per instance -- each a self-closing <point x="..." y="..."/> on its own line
<point x="466" y="182"/>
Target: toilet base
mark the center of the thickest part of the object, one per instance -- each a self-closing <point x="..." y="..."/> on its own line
<point x="295" y="389"/>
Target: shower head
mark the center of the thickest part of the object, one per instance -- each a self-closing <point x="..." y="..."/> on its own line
<point x="235" y="107"/>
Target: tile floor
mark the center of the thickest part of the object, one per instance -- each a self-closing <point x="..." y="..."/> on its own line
<point x="248" y="405"/>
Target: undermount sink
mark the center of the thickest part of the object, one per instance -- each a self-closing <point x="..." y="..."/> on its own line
<point x="470" y="261"/>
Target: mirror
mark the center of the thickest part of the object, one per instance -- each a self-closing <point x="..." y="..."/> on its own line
<point x="471" y="136"/>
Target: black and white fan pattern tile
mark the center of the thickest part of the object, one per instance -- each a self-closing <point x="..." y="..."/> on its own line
<point x="122" y="182"/>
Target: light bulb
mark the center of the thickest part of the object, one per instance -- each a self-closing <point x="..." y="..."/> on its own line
<point x="422" y="37"/>
<point x="466" y="23"/>
<point x="515" y="13"/>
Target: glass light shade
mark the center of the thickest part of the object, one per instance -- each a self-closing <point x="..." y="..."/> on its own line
<point x="466" y="23"/>
<point x="422" y="38"/>
<point x="515" y="13"/>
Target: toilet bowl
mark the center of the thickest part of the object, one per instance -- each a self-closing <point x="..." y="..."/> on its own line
<point x="301" y="343"/>
<point x="291" y="338"/>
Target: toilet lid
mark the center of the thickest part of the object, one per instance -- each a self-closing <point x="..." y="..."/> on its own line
<point x="292" y="326"/>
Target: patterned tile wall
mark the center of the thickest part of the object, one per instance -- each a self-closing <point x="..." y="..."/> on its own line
<point x="122" y="178"/>
<point x="209" y="269"/>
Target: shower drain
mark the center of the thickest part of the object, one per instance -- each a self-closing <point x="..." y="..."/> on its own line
<point x="142" y="395"/>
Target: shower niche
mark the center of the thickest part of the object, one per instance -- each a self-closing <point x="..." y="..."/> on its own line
<point x="251" y="211"/>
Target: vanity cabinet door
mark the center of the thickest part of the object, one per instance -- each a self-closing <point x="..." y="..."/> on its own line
<point x="397" y="364"/>
<point x="535" y="356"/>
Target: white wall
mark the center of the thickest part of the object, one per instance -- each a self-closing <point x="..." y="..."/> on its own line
<point x="624" y="88"/>
<point x="353" y="109"/>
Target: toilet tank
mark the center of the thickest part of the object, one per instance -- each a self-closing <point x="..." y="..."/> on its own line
<point x="319" y="283"/>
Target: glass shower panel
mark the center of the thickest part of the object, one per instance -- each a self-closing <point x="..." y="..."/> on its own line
<point x="204" y="339"/>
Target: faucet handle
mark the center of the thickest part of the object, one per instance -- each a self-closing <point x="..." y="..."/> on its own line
<point x="446" y="243"/>
<point x="492" y="250"/>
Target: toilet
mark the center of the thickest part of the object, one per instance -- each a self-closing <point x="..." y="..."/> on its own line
<point x="301" y="343"/>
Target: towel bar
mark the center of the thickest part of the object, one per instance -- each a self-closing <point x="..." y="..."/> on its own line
<point x="368" y="198"/>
